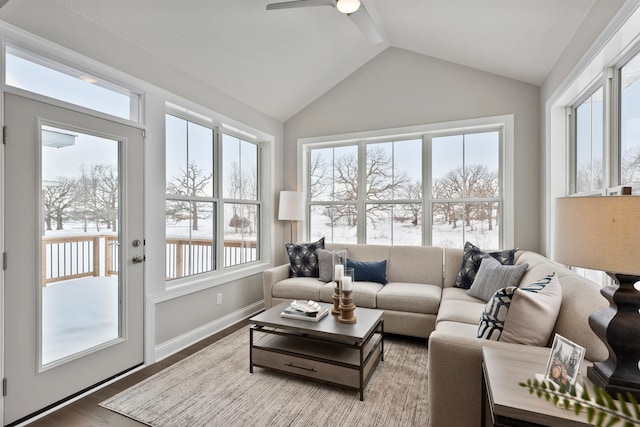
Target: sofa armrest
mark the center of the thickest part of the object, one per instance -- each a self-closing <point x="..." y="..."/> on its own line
<point x="455" y="377"/>
<point x="270" y="277"/>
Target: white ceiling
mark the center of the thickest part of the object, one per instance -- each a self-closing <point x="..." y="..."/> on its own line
<point x="280" y="61"/>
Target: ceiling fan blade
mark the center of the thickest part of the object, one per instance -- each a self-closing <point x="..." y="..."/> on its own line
<point x="364" y="22"/>
<point x="300" y="3"/>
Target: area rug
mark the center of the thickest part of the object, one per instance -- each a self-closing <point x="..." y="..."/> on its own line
<point x="213" y="387"/>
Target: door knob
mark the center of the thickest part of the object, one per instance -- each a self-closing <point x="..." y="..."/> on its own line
<point x="137" y="259"/>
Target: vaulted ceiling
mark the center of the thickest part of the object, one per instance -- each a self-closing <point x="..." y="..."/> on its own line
<point x="279" y="61"/>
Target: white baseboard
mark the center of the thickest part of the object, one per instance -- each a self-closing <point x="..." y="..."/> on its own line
<point x="183" y="341"/>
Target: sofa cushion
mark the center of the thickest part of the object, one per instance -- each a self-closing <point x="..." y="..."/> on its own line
<point x="364" y="293"/>
<point x="326" y="262"/>
<point x="457" y="328"/>
<point x="303" y="258"/>
<point x="461" y="311"/>
<point x="533" y="312"/>
<point x="471" y="262"/>
<point x="364" y="271"/>
<point x="415" y="264"/>
<point x="297" y="288"/>
<point x="459" y="294"/>
<point x="411" y="297"/>
<point x="492" y="276"/>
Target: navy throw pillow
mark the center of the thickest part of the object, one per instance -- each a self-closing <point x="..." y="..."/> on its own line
<point x="369" y="271"/>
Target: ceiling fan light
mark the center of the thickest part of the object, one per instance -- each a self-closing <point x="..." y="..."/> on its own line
<point x="348" y="6"/>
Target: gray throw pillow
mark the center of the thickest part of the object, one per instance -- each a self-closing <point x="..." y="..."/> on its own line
<point x="492" y="275"/>
<point x="326" y="262"/>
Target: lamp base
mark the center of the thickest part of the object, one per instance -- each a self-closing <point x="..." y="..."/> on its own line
<point x="618" y="326"/>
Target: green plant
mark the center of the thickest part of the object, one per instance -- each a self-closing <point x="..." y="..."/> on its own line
<point x="601" y="408"/>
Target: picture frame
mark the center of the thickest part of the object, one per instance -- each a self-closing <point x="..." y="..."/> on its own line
<point x="564" y="362"/>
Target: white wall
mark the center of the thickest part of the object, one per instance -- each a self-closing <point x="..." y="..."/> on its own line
<point x="401" y="88"/>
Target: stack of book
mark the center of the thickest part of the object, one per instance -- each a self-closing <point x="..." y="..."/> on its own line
<point x="309" y="310"/>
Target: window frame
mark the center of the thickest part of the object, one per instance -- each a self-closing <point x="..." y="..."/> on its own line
<point x="217" y="198"/>
<point x="72" y="69"/>
<point x="504" y="124"/>
<point x="572" y="179"/>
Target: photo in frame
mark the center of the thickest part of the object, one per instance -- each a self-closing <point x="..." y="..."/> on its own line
<point x="564" y="362"/>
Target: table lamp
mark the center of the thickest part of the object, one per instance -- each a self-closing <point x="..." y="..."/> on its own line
<point x="291" y="207"/>
<point x="603" y="233"/>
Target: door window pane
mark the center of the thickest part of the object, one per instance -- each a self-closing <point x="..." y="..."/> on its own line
<point x="80" y="242"/>
<point x="630" y="122"/>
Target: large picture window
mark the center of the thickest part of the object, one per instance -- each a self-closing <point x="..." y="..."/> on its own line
<point x="373" y="191"/>
<point x="465" y="189"/>
<point x="241" y="202"/>
<point x="196" y="216"/>
<point x="190" y="202"/>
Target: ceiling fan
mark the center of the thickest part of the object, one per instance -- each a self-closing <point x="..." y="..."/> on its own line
<point x="354" y="9"/>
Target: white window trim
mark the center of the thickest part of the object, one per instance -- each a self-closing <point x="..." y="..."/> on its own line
<point x="506" y="122"/>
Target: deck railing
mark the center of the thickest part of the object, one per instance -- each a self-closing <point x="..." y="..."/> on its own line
<point x="72" y="257"/>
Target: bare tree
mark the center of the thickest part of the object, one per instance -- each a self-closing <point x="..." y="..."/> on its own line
<point x="57" y="201"/>
<point x="320" y="181"/>
<point x="105" y="193"/>
<point x="192" y="182"/>
<point x="471" y="181"/>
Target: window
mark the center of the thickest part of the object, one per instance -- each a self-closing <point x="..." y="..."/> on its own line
<point x="589" y="143"/>
<point x="630" y="122"/>
<point x="190" y="203"/>
<point x="372" y="191"/>
<point x="333" y="191"/>
<point x="465" y="189"/>
<point x="32" y="72"/>
<point x="393" y="180"/>
<point x="196" y="216"/>
<point x="241" y="202"/>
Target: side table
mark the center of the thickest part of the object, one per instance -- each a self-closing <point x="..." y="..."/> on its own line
<point x="513" y="405"/>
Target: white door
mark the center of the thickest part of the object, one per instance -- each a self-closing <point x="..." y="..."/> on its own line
<point x="75" y="246"/>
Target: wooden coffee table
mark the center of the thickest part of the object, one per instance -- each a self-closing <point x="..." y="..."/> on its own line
<point x="327" y="350"/>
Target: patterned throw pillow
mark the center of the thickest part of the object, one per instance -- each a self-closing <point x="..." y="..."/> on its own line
<point x="471" y="263"/>
<point x="539" y="304"/>
<point x="303" y="258"/>
<point x="495" y="313"/>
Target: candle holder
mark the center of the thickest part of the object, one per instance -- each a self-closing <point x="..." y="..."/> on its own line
<point x="347" y="307"/>
<point x="338" y="272"/>
<point x="336" y="298"/>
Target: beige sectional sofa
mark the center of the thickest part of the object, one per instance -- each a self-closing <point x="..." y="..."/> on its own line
<point x="420" y="300"/>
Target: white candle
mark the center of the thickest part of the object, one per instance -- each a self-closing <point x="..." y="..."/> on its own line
<point x="338" y="272"/>
<point x="346" y="283"/>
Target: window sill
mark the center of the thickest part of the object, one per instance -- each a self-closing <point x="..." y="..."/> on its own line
<point x="205" y="281"/>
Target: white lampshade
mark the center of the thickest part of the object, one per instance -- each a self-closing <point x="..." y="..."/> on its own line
<point x="348" y="6"/>
<point x="291" y="206"/>
<point x="599" y="233"/>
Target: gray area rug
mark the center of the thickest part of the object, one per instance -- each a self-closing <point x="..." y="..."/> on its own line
<point x="214" y="388"/>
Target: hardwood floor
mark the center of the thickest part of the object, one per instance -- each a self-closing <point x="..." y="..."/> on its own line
<point x="87" y="413"/>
